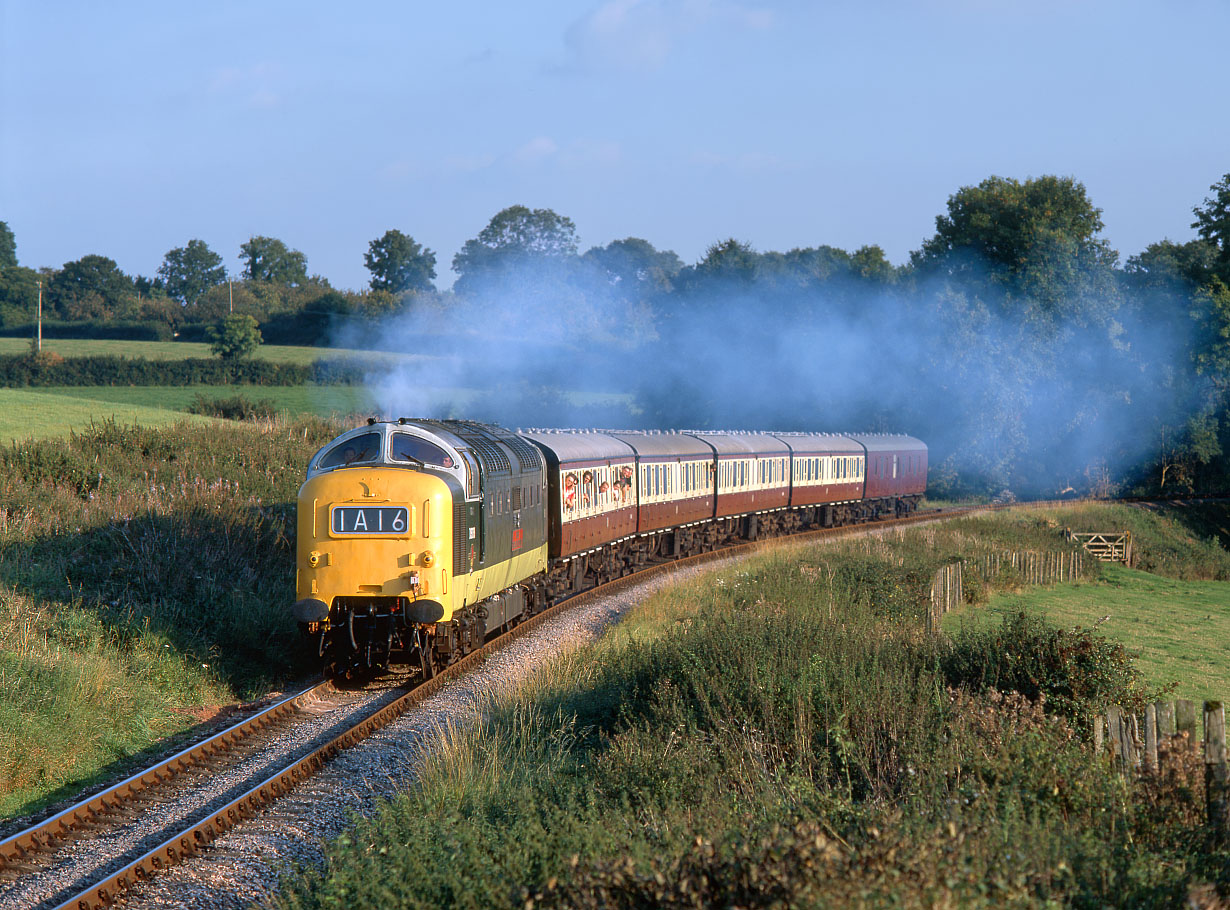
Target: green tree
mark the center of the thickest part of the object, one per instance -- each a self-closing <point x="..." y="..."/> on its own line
<point x="188" y="272"/>
<point x="1213" y="223"/>
<point x="269" y="259"/>
<point x="1211" y="313"/>
<point x="8" y="247"/>
<point x="398" y="264"/>
<point x="1031" y="248"/>
<point x="1166" y="265"/>
<point x="634" y="267"/>
<point x="515" y="236"/>
<point x="92" y="287"/>
<point x="730" y="259"/>
<point x="870" y="264"/>
<point x="236" y="336"/>
<point x="18" y="295"/>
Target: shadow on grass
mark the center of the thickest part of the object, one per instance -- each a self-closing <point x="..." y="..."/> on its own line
<point x="1209" y="519"/>
<point x="213" y="582"/>
<point x="73" y="791"/>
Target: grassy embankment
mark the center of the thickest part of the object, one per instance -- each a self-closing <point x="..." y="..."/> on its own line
<point x="1173" y="611"/>
<point x="783" y="734"/>
<point x="144" y="577"/>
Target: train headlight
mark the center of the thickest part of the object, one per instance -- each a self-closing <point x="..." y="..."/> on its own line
<point x="428" y="557"/>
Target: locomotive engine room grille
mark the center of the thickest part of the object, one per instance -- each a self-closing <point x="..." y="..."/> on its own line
<point x="461" y="546"/>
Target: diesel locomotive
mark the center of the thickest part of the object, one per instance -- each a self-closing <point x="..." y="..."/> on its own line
<point x="419" y="539"/>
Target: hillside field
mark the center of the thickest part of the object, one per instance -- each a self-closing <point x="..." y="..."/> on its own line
<point x="175" y="350"/>
<point x="43" y="414"/>
<point x="1175" y="619"/>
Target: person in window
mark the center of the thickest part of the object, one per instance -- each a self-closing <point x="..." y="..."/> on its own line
<point x="587" y="488"/>
<point x="570" y="491"/>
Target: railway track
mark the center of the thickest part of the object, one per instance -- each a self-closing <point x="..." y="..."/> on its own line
<point x="37" y="847"/>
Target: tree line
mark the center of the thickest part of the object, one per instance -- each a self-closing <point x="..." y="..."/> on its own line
<point x="1014" y="340"/>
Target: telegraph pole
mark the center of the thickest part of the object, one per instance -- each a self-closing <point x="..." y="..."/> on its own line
<point x="39" y="343"/>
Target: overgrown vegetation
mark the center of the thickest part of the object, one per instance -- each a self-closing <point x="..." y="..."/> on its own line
<point x="143" y="573"/>
<point x="774" y="735"/>
<point x="233" y="407"/>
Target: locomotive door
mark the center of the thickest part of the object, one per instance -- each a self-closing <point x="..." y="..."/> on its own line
<point x="474" y="531"/>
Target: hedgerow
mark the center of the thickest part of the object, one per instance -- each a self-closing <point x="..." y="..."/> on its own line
<point x="21" y="370"/>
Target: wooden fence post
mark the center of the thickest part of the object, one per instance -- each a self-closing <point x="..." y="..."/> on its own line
<point x="1185" y="720"/>
<point x="1216" y="776"/>
<point x="1098" y="740"/>
<point x="1151" y="738"/>
<point x="1165" y="719"/>
<point x="1121" y="733"/>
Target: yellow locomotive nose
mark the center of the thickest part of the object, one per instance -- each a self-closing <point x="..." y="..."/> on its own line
<point x="354" y="544"/>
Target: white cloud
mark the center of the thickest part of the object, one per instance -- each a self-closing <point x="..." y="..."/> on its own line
<point x="537" y="149"/>
<point x="640" y="34"/>
<point x="745" y="161"/>
<point x="579" y="153"/>
<point x="253" y="86"/>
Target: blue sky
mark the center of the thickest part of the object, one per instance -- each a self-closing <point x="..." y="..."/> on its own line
<point x="127" y="128"/>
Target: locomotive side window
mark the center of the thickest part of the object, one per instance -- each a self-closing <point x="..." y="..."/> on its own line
<point x="472" y="475"/>
<point x="415" y="448"/>
<point x="356" y="450"/>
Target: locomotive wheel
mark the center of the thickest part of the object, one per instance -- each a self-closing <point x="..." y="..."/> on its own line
<point x="426" y="664"/>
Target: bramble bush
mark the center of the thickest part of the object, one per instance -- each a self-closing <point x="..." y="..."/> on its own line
<point x="233" y="407"/>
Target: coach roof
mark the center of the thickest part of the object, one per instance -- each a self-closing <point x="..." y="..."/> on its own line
<point x="570" y="446"/>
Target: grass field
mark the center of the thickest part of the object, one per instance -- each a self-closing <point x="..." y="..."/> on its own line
<point x="1179" y="630"/>
<point x="308" y="399"/>
<point x="26" y="414"/>
<point x="178" y="350"/>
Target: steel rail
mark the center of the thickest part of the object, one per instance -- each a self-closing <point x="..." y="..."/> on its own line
<point x="18" y="849"/>
<point x="192" y="839"/>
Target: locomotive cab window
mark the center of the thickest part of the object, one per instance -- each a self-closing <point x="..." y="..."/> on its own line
<point x="357" y="450"/>
<point x="415" y="448"/>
